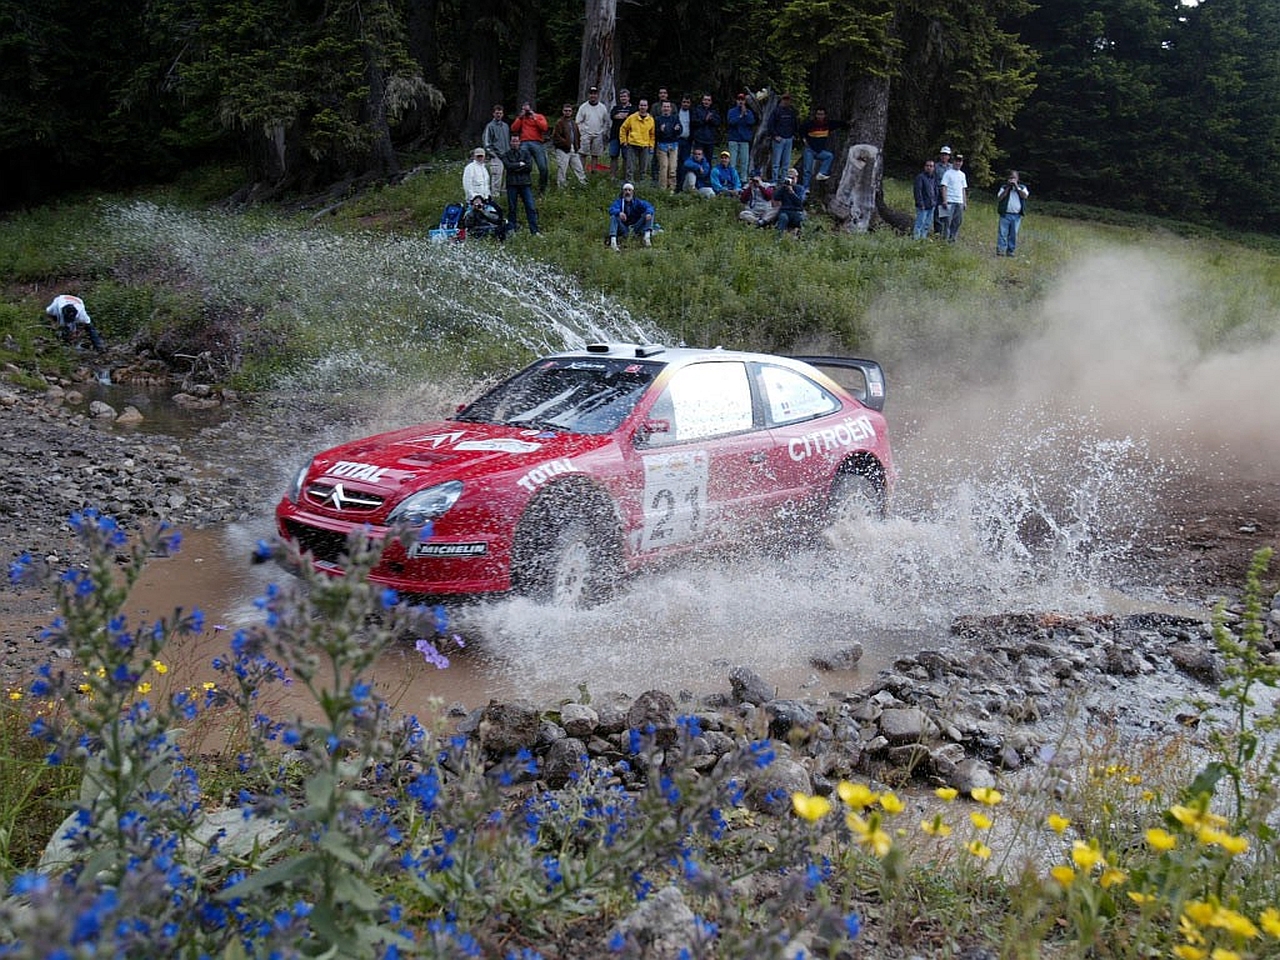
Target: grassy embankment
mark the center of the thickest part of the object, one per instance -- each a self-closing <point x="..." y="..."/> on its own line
<point x="270" y="291"/>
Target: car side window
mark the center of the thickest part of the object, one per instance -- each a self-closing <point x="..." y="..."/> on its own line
<point x="704" y="400"/>
<point x="792" y="397"/>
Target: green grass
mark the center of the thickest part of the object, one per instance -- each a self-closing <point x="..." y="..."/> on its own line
<point x="282" y="291"/>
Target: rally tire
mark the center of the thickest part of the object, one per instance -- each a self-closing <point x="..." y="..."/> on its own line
<point x="855" y="497"/>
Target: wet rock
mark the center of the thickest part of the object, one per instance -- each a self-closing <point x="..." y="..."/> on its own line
<point x="566" y="758"/>
<point x="661" y="927"/>
<point x="578" y="719"/>
<point x="788" y="718"/>
<point x="904" y="725"/>
<point x="130" y="414"/>
<point x="656" y="710"/>
<point x="971" y="774"/>
<point x="841" y="658"/>
<point x="749" y="687"/>
<point x="101" y="411"/>
<point x="507" y="727"/>
<point x="1195" y="660"/>
<point x="769" y="788"/>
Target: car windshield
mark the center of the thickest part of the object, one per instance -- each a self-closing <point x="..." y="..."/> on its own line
<point x="575" y="394"/>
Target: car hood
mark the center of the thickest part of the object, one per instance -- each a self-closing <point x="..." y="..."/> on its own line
<point x="410" y="459"/>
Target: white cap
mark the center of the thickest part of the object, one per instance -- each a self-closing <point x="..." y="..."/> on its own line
<point x="945" y="150"/>
<point x="628" y="186"/>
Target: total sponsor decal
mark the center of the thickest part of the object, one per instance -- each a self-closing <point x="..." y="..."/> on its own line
<point x="355" y="470"/>
<point x="846" y="433"/>
<point x="541" y="474"/>
<point x="450" y="551"/>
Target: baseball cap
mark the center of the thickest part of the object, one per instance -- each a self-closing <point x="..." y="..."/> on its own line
<point x="593" y="89"/>
<point x="945" y="150"/>
<point x="478" y="152"/>
<point x="628" y="186"/>
<point x="724" y="153"/>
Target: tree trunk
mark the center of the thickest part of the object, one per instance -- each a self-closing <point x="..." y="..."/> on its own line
<point x="599" y="64"/>
<point x="527" y="72"/>
<point x="483" y="69"/>
<point x="854" y="202"/>
<point x="382" y="159"/>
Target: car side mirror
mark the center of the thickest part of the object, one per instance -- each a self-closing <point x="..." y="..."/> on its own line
<point x="650" y="427"/>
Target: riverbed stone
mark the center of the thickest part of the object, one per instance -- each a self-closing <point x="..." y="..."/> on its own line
<point x="578" y="719"/>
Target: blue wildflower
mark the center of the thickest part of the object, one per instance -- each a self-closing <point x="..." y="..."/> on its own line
<point x="852" y="926"/>
<point x="389" y="598"/>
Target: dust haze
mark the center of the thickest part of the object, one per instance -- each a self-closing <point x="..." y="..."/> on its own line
<point x="1116" y="343"/>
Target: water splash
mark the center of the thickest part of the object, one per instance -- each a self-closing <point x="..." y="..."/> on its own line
<point x="379" y="309"/>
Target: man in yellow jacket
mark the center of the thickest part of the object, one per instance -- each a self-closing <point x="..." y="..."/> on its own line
<point x="637" y="139"/>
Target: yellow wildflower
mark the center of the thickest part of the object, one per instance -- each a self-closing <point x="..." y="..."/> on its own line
<point x="935" y="827"/>
<point x="15" y="694"/>
<point x="1185" y="951"/>
<point x="1133" y="779"/>
<point x="979" y="849"/>
<point x="159" y="667"/>
<point x="85" y="688"/>
<point x="1161" y="840"/>
<point x="1232" y="844"/>
<point x="1224" y="918"/>
<point x="810" y="808"/>
<point x="987" y="795"/>
<point x="1111" y="876"/>
<point x="856" y="795"/>
<point x="890" y="803"/>
<point x="1148" y="796"/>
<point x="946" y="793"/>
<point x="1085" y="855"/>
<point x="1141" y="899"/>
<point x="1198" y="913"/>
<point x="1222" y="953"/>
<point x="1195" y="819"/>
<point x="1270" y="921"/>
<point x="980" y="820"/>
<point x="208" y="685"/>
<point x="1063" y="874"/>
<point x="1058" y="823"/>
<point x="144" y="687"/>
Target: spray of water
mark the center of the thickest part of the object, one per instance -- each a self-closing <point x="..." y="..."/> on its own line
<point x="385" y="309"/>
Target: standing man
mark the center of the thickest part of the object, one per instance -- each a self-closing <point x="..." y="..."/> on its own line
<point x="567" y="140"/>
<point x="955" y="194"/>
<point x="940" y="168"/>
<point x="925" y="191"/>
<point x="667" y="131"/>
<point x="706" y="126"/>
<point x="685" y="113"/>
<point x="520" y="183"/>
<point x="475" y="177"/>
<point x="1011" y="204"/>
<point x="593" y="125"/>
<point x="637" y="137"/>
<point x="497" y="135"/>
<point x="784" y="124"/>
<point x="621" y="110"/>
<point x="742" y="125"/>
<point x="531" y="127"/>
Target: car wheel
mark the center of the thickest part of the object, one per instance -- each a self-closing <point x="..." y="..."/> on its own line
<point x="565" y="562"/>
<point x="855" y="497"/>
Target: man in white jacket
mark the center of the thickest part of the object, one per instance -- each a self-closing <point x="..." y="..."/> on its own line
<point x="475" y="177"/>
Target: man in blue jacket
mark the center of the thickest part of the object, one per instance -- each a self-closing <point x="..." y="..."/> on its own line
<point x="742" y="123"/>
<point x="724" y="178"/>
<point x="629" y="214"/>
<point x="784" y="124"/>
<point x="696" y="174"/>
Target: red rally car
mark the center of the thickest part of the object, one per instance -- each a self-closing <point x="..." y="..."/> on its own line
<point x="587" y="465"/>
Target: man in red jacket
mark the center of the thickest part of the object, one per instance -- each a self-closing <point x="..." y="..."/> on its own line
<point x="532" y="128"/>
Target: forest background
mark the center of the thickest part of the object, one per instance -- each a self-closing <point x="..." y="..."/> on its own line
<point x="1159" y="106"/>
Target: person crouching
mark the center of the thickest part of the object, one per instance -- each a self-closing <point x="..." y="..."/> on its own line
<point x="629" y="214"/>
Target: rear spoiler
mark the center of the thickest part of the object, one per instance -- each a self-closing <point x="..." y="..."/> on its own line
<point x="863" y="378"/>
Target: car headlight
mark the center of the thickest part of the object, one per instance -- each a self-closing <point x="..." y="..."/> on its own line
<point x="427" y="504"/>
<point x="294" y="492"/>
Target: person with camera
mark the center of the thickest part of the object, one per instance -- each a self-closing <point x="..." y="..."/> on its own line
<point x="484" y="218"/>
<point x="758" y="208"/>
<point x="1011" y="204"/>
<point x="531" y="127"/>
<point x="790" y="197"/>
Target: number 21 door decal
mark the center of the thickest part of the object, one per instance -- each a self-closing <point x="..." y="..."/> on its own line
<point x="675" y="498"/>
